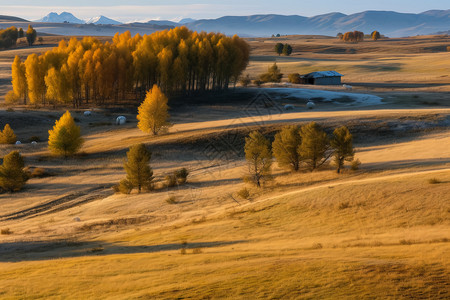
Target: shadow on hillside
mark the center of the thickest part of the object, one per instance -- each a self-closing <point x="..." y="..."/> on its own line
<point x="407" y="163"/>
<point x="44" y="250"/>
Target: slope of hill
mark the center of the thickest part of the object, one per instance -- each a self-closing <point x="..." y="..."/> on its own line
<point x="102" y="20"/>
<point x="11" y="19"/>
<point x="389" y="23"/>
<point x="61" y="18"/>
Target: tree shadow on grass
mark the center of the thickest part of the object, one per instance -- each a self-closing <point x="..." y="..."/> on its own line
<point x="45" y="250"/>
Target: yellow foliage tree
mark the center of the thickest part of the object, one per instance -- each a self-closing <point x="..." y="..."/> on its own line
<point x="153" y="112"/>
<point x="12" y="175"/>
<point x="7" y="136"/>
<point x="65" y="137"/>
<point x="19" y="79"/>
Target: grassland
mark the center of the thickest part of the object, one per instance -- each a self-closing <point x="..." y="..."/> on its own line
<point x="378" y="232"/>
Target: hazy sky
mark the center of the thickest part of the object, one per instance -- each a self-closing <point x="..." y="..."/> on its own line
<point x="139" y="10"/>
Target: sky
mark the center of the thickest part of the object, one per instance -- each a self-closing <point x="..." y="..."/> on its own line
<point x="143" y="10"/>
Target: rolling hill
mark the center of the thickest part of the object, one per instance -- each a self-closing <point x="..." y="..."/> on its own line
<point x="389" y="23"/>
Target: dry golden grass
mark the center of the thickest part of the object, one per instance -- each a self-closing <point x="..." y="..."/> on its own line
<point x="380" y="232"/>
<point x="391" y="242"/>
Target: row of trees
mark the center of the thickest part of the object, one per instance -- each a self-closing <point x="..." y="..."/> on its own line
<point x="285" y="49"/>
<point x="177" y="60"/>
<point x="357" y="36"/>
<point x="9" y="36"/>
<point x="294" y="147"/>
<point x="352" y="36"/>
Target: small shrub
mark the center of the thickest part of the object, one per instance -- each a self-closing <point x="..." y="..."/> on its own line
<point x="317" y="246"/>
<point x="294" y="78"/>
<point x="10" y="109"/>
<point x="34" y="138"/>
<point x="448" y="48"/>
<point x="181" y="175"/>
<point x="171" y="180"/>
<point x="125" y="186"/>
<point x="183" y="251"/>
<point x="197" y="251"/>
<point x="407" y="242"/>
<point x="244" y="193"/>
<point x="11" y="98"/>
<point x="150" y="187"/>
<point x="97" y="249"/>
<point x="245" y="81"/>
<point x="355" y="164"/>
<point x="434" y="181"/>
<point x="172" y="200"/>
<point x="257" y="82"/>
<point x="344" y="205"/>
<point x="39" y="173"/>
<point x="6" y="231"/>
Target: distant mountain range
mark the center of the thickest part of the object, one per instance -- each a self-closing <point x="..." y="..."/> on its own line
<point x="102" y="20"/>
<point x="64" y="17"/>
<point x="392" y="24"/>
<point x="389" y="23"/>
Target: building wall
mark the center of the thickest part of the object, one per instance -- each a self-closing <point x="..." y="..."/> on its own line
<point x="328" y="81"/>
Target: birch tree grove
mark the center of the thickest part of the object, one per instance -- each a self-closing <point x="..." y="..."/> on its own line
<point x="180" y="61"/>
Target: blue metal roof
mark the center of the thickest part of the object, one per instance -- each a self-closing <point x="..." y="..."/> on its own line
<point x="322" y="74"/>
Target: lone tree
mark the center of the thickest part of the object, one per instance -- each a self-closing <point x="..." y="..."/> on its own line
<point x="287" y="49"/>
<point x="279" y="48"/>
<point x="153" y="112"/>
<point x="12" y="175"/>
<point x="31" y="35"/>
<point x="285" y="147"/>
<point x="21" y="33"/>
<point x="273" y="74"/>
<point x="315" y="146"/>
<point x="375" y="35"/>
<point x="65" y="137"/>
<point x="342" y="144"/>
<point x="7" y="136"/>
<point x="258" y="156"/>
<point x="139" y="173"/>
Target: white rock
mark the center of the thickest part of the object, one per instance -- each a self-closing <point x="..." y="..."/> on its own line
<point x="310" y="105"/>
<point x="18" y="143"/>
<point x="121" y="120"/>
<point x="87" y="113"/>
<point x="288" y="107"/>
<point x="33" y="143"/>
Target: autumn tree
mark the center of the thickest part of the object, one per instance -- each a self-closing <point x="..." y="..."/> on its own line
<point x="139" y="173"/>
<point x="12" y="175"/>
<point x="315" y="145"/>
<point x="259" y="157"/>
<point x="7" y="136"/>
<point x="34" y="71"/>
<point x="294" y="78"/>
<point x="287" y="49"/>
<point x="153" y="113"/>
<point x="31" y="35"/>
<point x="8" y="37"/>
<point x="273" y="74"/>
<point x="375" y="35"/>
<point x="65" y="137"/>
<point x="285" y="147"/>
<point x="279" y="48"/>
<point x="19" y="79"/>
<point x="342" y="144"/>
